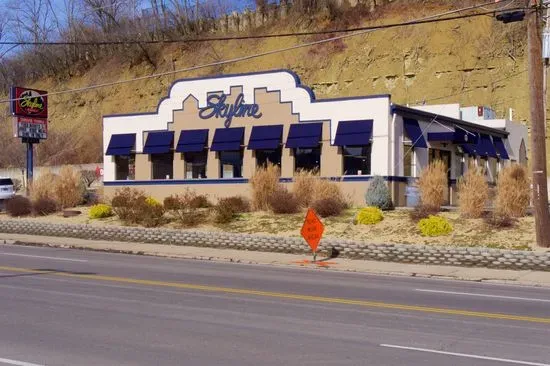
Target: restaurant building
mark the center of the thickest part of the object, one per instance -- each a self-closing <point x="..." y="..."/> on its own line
<point x="210" y="134"/>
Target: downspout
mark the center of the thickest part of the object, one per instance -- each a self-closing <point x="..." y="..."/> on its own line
<point x="392" y="154"/>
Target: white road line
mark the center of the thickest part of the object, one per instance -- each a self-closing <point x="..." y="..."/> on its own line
<point x="466" y="355"/>
<point x="39" y="256"/>
<point x="17" y="363"/>
<point x="483" y="295"/>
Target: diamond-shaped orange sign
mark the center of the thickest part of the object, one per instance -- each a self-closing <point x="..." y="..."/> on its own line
<point x="312" y="230"/>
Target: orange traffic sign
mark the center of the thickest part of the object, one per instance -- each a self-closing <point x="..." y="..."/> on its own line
<point x="312" y="230"/>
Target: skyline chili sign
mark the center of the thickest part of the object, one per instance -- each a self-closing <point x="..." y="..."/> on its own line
<point x="218" y="108"/>
<point x="28" y="102"/>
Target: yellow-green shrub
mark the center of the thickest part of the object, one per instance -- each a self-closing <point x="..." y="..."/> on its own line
<point x="435" y="226"/>
<point x="370" y="216"/>
<point x="152" y="202"/>
<point x="100" y="211"/>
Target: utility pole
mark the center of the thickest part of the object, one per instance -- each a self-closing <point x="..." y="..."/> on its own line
<point x="538" y="124"/>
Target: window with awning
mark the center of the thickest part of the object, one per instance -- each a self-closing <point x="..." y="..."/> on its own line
<point x="121" y="144"/>
<point x="485" y="146"/>
<point x="265" y="137"/>
<point x="159" y="142"/>
<point x="414" y="132"/>
<point x="228" y="139"/>
<point x="192" y="141"/>
<point x="500" y="148"/>
<point x="353" y="133"/>
<point x="304" y="135"/>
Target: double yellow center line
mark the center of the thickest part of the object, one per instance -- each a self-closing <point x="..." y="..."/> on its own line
<point x="288" y="296"/>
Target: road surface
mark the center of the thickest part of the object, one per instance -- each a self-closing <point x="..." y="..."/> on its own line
<point x="70" y="307"/>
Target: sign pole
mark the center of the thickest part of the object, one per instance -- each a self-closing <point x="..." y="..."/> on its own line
<point x="30" y="164"/>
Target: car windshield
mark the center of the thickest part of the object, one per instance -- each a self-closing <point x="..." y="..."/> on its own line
<point x="6" y="182"/>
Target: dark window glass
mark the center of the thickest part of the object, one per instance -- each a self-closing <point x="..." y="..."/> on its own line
<point x="195" y="164"/>
<point x="6" y="182"/>
<point x="307" y="159"/>
<point x="231" y="164"/>
<point x="357" y="160"/>
<point x="163" y="165"/>
<point x="125" y="167"/>
<point x="409" y="163"/>
<point x="263" y="157"/>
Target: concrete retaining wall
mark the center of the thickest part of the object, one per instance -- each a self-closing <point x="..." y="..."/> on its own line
<point x="456" y="256"/>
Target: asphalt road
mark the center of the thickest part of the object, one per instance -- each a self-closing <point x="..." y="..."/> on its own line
<point x="67" y="307"/>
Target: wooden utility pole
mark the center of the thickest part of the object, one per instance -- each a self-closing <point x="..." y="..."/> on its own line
<point x="538" y="128"/>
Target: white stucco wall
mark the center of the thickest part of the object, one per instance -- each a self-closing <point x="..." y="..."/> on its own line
<point x="447" y="110"/>
<point x="375" y="108"/>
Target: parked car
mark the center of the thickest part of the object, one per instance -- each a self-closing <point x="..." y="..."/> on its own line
<point x="7" y="190"/>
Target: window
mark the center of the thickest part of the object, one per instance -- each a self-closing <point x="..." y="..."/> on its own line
<point x="307" y="159"/>
<point x="263" y="157"/>
<point x="460" y="165"/>
<point x="409" y="161"/>
<point x="125" y="167"/>
<point x="231" y="164"/>
<point x="195" y="164"/>
<point x="493" y="169"/>
<point x="163" y="165"/>
<point x="357" y="160"/>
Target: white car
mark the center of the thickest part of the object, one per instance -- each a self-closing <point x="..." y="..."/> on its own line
<point x="6" y="189"/>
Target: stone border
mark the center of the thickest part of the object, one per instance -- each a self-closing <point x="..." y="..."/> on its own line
<point x="401" y="253"/>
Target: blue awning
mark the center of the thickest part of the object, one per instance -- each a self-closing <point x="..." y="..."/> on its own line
<point x="458" y="136"/>
<point x="414" y="132"/>
<point x="265" y="137"/>
<point x="501" y="149"/>
<point x="441" y="136"/>
<point x="192" y="141"/>
<point x="159" y="142"/>
<point x="228" y="139"/>
<point x="121" y="144"/>
<point x="469" y="149"/>
<point x="304" y="135"/>
<point x="353" y="133"/>
<point x="485" y="146"/>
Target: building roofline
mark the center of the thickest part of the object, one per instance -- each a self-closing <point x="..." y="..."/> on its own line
<point x="407" y="111"/>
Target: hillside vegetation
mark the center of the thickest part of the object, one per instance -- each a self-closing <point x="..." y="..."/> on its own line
<point x="474" y="61"/>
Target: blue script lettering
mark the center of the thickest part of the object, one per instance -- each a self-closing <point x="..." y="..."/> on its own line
<point x="216" y="107"/>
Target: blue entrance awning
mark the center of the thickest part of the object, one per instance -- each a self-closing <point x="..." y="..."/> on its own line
<point x="228" y="139"/>
<point x="121" y="144"/>
<point x="159" y="142"/>
<point x="192" y="141"/>
<point x="469" y="149"/>
<point x="265" y="137"/>
<point x="353" y="133"/>
<point x="501" y="149"/>
<point x="304" y="135"/>
<point x="414" y="132"/>
<point x="485" y="146"/>
<point x="458" y="136"/>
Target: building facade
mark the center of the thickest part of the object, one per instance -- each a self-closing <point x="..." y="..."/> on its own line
<point x="210" y="134"/>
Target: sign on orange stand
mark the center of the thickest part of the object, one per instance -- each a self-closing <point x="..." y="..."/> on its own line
<point x="312" y="230"/>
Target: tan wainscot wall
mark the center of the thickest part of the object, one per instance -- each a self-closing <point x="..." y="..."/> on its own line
<point x="273" y="113"/>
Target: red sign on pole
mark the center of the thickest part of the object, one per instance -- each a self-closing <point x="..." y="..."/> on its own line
<point x="29" y="102"/>
<point x="312" y="230"/>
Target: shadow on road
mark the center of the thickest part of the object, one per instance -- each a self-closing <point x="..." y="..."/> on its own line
<point x="44" y="271"/>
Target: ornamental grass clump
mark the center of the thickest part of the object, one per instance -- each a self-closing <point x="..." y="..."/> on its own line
<point x="435" y="226"/>
<point x="264" y="182"/>
<point x="370" y="216"/>
<point x="69" y="188"/>
<point x="513" y="192"/>
<point x="473" y="193"/>
<point x="378" y="194"/>
<point x="433" y="184"/>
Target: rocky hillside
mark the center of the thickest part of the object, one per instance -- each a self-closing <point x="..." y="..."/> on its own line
<point x="475" y="61"/>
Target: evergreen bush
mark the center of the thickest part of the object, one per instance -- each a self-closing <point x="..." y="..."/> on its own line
<point x="378" y="194"/>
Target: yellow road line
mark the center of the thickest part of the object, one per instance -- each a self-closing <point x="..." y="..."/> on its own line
<point x="281" y="295"/>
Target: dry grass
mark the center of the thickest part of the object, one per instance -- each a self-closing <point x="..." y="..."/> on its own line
<point x="69" y="188"/>
<point x="264" y="182"/>
<point x="304" y="181"/>
<point x="473" y="193"/>
<point x="513" y="191"/>
<point x="43" y="186"/>
<point x="325" y="189"/>
<point x="309" y="188"/>
<point x="433" y="183"/>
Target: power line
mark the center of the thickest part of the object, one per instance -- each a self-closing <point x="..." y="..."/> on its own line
<point x="252" y="37"/>
<point x="233" y="60"/>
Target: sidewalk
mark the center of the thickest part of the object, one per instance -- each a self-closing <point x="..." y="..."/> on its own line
<point x="531" y="278"/>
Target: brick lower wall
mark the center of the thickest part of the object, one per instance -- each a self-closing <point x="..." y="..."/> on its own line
<point x="456" y="256"/>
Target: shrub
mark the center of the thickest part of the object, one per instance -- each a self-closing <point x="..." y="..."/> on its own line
<point x="284" y="202"/>
<point x="326" y="207"/>
<point x="18" y="206"/>
<point x="43" y="186"/>
<point x="223" y="212"/>
<point x="513" y="191"/>
<point x="473" y="193"/>
<point x="238" y="204"/>
<point x="324" y="189"/>
<point x="378" y="194"/>
<point x="44" y="206"/>
<point x="69" y="188"/>
<point x="435" y="226"/>
<point x="433" y="183"/>
<point x="183" y="208"/>
<point x="304" y="183"/>
<point x="264" y="182"/>
<point x="500" y="221"/>
<point x="370" y="216"/>
<point x="133" y="207"/>
<point x="150" y="212"/>
<point x="101" y="211"/>
<point x="17" y="185"/>
<point x="423" y="212"/>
